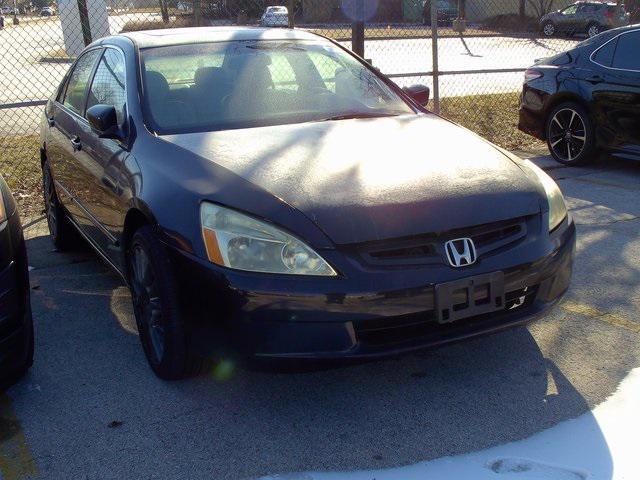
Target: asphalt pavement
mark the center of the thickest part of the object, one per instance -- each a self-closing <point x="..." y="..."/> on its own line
<point x="91" y="408"/>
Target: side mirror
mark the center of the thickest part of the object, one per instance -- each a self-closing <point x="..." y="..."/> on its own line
<point x="104" y="121"/>
<point x="419" y="94"/>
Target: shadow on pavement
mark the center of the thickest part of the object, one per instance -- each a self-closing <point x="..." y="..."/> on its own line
<point x="90" y="372"/>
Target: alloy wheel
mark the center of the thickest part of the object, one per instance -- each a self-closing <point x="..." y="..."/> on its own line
<point x="549" y="29"/>
<point x="146" y="302"/>
<point x="567" y="134"/>
<point x="593" y="30"/>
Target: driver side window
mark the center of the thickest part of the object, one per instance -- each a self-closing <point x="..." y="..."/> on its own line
<point x="570" y="10"/>
<point x="74" y="96"/>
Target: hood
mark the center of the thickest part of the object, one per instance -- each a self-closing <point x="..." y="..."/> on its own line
<point x="372" y="179"/>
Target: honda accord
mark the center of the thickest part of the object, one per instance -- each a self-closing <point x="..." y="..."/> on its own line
<point x="268" y="189"/>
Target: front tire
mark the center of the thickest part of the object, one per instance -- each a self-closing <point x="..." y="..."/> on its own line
<point x="593" y="29"/>
<point x="155" y="303"/>
<point x="570" y="134"/>
<point x="63" y="235"/>
<point x="548" y="29"/>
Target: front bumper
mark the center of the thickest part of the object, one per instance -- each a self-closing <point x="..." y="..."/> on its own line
<point x="299" y="319"/>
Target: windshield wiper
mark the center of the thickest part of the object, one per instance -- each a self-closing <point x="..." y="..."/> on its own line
<point x="350" y="115"/>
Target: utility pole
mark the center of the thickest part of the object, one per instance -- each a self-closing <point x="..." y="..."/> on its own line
<point x="357" y="30"/>
<point x="434" y="56"/>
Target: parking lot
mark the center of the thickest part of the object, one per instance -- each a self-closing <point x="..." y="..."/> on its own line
<point x="91" y="408"/>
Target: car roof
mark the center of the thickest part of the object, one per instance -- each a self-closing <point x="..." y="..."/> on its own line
<point x="182" y="36"/>
<point x="594" y="2"/>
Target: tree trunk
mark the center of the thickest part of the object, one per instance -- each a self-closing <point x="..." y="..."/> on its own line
<point x="164" y="11"/>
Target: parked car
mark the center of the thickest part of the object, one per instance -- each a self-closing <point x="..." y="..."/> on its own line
<point x="185" y="7"/>
<point x="47" y="12"/>
<point x="271" y="188"/>
<point x="9" y="11"/>
<point x="16" y="325"/>
<point x="590" y="17"/>
<point x="587" y="99"/>
<point x="447" y="12"/>
<point x="276" y="16"/>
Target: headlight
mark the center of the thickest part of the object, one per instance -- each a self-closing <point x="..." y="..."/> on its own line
<point x="238" y="241"/>
<point x="557" y="207"/>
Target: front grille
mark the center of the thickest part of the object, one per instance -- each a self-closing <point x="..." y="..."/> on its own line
<point x="405" y="328"/>
<point x="429" y="249"/>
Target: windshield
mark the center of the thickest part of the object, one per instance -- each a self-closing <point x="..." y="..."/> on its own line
<point x="242" y="84"/>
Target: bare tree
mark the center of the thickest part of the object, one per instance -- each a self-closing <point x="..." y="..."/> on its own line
<point x="164" y="11"/>
<point x="541" y="7"/>
<point x="522" y="11"/>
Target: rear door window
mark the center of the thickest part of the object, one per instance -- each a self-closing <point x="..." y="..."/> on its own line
<point x="604" y="56"/>
<point x="626" y="56"/>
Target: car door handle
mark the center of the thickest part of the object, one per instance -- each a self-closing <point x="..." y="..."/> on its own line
<point x="595" y="79"/>
<point x="51" y="121"/>
<point x="75" y="144"/>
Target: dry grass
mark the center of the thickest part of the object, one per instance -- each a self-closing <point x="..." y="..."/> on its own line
<point x="494" y="117"/>
<point x="57" y="55"/>
<point x="342" y="33"/>
<point x="20" y="167"/>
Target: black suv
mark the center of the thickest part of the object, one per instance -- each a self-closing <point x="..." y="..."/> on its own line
<point x="584" y="17"/>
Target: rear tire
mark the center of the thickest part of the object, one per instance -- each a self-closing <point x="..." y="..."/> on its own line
<point x="548" y="29"/>
<point x="570" y="134"/>
<point x="63" y="235"/>
<point x="155" y="302"/>
<point x="593" y="29"/>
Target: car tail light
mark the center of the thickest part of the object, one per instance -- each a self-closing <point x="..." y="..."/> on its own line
<point x="608" y="13"/>
<point x="531" y="74"/>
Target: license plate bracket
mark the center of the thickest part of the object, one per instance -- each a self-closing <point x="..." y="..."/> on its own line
<point x="469" y="297"/>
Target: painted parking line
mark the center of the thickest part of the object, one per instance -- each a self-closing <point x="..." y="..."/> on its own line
<point x="610" y="318"/>
<point x="16" y="461"/>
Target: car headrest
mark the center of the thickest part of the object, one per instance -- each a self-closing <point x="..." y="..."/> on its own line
<point x="157" y="84"/>
<point x="252" y="60"/>
<point x="206" y="76"/>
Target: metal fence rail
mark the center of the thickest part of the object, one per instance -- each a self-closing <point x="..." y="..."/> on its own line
<point x="470" y="55"/>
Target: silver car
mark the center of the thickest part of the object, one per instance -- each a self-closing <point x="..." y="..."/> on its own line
<point x="584" y="17"/>
<point x="276" y="16"/>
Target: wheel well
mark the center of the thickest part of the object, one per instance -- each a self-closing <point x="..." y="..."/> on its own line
<point x="132" y="222"/>
<point x="563" y="98"/>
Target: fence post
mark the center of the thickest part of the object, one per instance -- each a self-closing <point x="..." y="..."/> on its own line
<point x="83" y="12"/>
<point x="357" y="30"/>
<point x="434" y="56"/>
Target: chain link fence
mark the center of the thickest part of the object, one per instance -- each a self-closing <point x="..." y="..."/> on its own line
<point x="470" y="53"/>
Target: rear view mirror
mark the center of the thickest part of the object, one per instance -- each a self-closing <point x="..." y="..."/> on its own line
<point x="419" y="94"/>
<point x="104" y="121"/>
